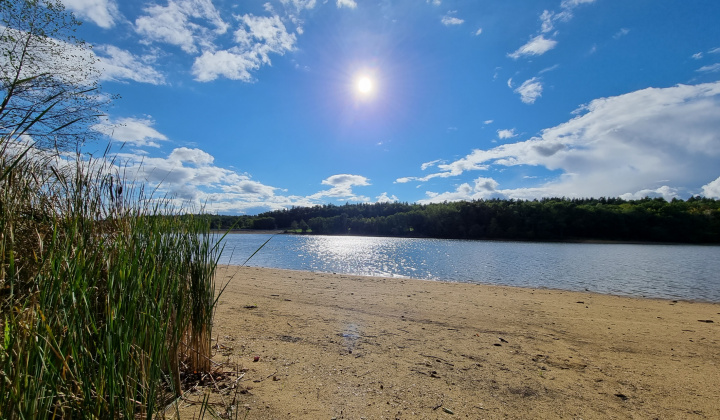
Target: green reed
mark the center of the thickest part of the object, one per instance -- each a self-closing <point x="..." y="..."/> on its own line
<point x="104" y="290"/>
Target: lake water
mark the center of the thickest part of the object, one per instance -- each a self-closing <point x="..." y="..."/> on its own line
<point x="663" y="271"/>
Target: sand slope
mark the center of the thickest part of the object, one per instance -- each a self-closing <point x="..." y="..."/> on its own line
<point x="337" y="346"/>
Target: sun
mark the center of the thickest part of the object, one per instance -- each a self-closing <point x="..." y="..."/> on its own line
<point x="364" y="85"/>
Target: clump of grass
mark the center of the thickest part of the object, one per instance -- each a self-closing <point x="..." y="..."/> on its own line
<point x="104" y="290"/>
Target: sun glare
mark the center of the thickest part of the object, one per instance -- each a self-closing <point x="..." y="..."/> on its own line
<point x="364" y="85"/>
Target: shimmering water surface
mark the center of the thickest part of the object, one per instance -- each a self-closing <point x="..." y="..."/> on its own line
<point x="664" y="271"/>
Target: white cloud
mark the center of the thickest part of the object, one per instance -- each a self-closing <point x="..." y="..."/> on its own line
<point x="117" y="65"/>
<point x="448" y="20"/>
<point x="300" y="4"/>
<point x="569" y="4"/>
<point x="714" y="51"/>
<point x="712" y="189"/>
<point x="530" y="90"/>
<point x="618" y="145"/>
<point x="346" y="3"/>
<point x="384" y="198"/>
<point x="482" y="188"/>
<point x="536" y="46"/>
<point x="134" y="131"/>
<point x="257" y="38"/>
<point x="506" y="134"/>
<point x="430" y="164"/>
<point x="103" y="13"/>
<point x="547" y="23"/>
<point x="697" y="56"/>
<point x="548" y="19"/>
<point x="621" y="33"/>
<point x="179" y="23"/>
<point x="478" y="32"/>
<point x="233" y="64"/>
<point x="341" y="188"/>
<point x="712" y="68"/>
<point x="486" y="122"/>
<point x="434" y="2"/>
<point x="665" y="192"/>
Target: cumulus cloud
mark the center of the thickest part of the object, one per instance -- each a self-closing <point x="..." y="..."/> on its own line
<point x="257" y="38"/>
<point x="116" y="64"/>
<point x="482" y="188"/>
<point x="384" y="198"/>
<point x="530" y="90"/>
<point x="134" y="131"/>
<point x="103" y="13"/>
<point x="506" y="134"/>
<point x="617" y="145"/>
<point x="665" y="192"/>
<point x="712" y="190"/>
<point x="536" y="46"/>
<point x="478" y="32"/>
<point x="190" y="178"/>
<point x="177" y="24"/>
<point x="346" y="3"/>
<point x="449" y="20"/>
<point x="341" y="188"/>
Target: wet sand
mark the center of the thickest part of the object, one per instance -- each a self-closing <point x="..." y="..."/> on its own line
<point x="340" y="346"/>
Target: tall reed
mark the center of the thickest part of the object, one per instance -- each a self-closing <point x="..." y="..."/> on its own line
<point x="104" y="290"/>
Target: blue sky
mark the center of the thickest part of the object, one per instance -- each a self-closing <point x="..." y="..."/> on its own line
<point x="248" y="106"/>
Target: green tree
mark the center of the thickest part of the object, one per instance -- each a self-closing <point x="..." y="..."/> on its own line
<point x="48" y="77"/>
<point x="304" y="226"/>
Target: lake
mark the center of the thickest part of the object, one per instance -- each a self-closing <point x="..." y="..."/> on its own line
<point x="660" y="271"/>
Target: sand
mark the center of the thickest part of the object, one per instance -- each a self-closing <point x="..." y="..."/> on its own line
<point x="346" y="347"/>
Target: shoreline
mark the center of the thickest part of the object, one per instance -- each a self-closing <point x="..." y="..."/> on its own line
<point x="564" y="241"/>
<point x="343" y="346"/>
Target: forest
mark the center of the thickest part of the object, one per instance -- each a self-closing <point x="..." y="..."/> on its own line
<point x="695" y="220"/>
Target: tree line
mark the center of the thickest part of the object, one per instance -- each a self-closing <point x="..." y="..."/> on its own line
<point x="695" y="220"/>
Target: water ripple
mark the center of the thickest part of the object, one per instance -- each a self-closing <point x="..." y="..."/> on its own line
<point x="664" y="271"/>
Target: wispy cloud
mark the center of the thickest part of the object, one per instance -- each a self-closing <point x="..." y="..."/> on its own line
<point x="103" y="13"/>
<point x="621" y="33"/>
<point x="134" y="131"/>
<point x="548" y="19"/>
<point x="120" y="65"/>
<point x="712" y="68"/>
<point x="536" y="46"/>
<point x="350" y="4"/>
<point x="530" y="90"/>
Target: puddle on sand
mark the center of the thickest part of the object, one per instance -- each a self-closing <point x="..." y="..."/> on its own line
<point x="351" y="334"/>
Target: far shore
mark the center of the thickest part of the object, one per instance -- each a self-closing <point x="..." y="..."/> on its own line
<point x="348" y="347"/>
<point x="567" y="241"/>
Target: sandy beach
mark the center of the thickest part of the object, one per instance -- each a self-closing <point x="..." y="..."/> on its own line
<point x="338" y="346"/>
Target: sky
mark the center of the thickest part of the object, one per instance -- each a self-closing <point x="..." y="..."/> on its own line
<point x="249" y="106"/>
